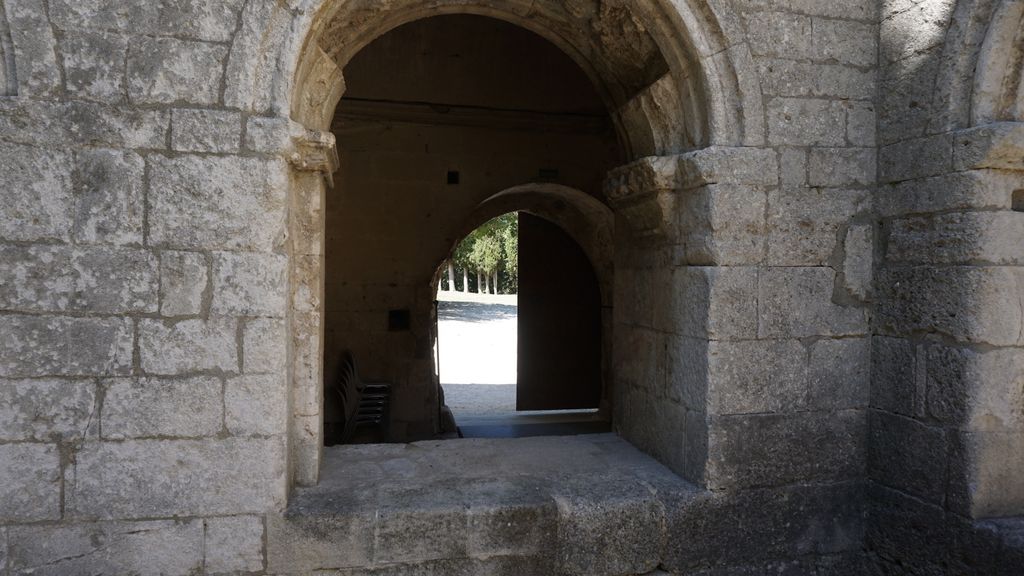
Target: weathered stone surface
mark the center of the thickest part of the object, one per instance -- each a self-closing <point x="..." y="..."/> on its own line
<point x="686" y="371"/>
<point x="906" y="529"/>
<point x="803" y="223"/>
<point x="29" y="483"/>
<point x="34" y="48"/>
<point x="756" y="376"/>
<point x="171" y="547"/>
<point x="109" y="205"/>
<point x="183" y="283"/>
<point x="219" y="203"/>
<point x="172" y="71"/>
<point x="773" y="523"/>
<point x="184" y="346"/>
<point x="897" y="370"/>
<point x="147" y="478"/>
<point x="839" y="374"/>
<point x="755" y="450"/>
<point x="114" y="281"/>
<point x="712" y="302"/>
<point x="979" y="189"/>
<point x="806" y="121"/>
<point x="722" y="225"/>
<point x="838" y="167"/>
<point x="58" y="346"/>
<point x="249" y="284"/>
<point x="60" y="279"/>
<point x="725" y="165"/>
<point x="195" y="130"/>
<point x="859" y="260"/>
<point x="256" y="404"/>
<point x="199" y="19"/>
<point x="966" y="303"/>
<point x="797" y="302"/>
<point x="36" y="200"/>
<point x="49" y="409"/>
<point x="907" y="455"/>
<point x="916" y="158"/>
<point x="234" y="544"/>
<point x="781" y="77"/>
<point x="846" y="42"/>
<point x="958" y="238"/>
<point x="979" y="391"/>
<point x="58" y="124"/>
<point x="148" y="407"/>
<point x="861" y="123"/>
<point x="94" y="64"/>
<point x="986" y="478"/>
<point x="264" y="346"/>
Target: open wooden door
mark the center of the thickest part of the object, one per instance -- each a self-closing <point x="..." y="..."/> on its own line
<point x="559" y="359"/>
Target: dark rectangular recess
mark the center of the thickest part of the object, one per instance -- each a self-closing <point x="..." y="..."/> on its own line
<point x="398" y="320"/>
<point x="1017" y="200"/>
<point x="453" y="177"/>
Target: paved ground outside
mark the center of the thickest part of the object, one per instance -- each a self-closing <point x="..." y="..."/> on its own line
<point x="477" y="349"/>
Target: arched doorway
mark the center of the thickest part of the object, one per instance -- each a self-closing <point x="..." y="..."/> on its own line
<point x="693" y="99"/>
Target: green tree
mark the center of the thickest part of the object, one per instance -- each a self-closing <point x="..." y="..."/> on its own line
<point x="490" y="251"/>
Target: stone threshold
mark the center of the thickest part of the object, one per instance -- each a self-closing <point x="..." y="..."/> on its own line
<point x="588" y="504"/>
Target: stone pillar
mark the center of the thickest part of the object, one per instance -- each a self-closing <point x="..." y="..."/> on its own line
<point x="947" y="427"/>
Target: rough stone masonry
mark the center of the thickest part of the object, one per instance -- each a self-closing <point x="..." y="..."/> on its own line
<point x="816" y="349"/>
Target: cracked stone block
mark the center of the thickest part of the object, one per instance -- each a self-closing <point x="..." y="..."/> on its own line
<point x="146" y="547"/>
<point x="47" y="410"/>
<point x="151" y="407"/>
<point x="36" y="200"/>
<point x="109" y="203"/>
<point x="172" y="71"/>
<point x="256" y="404"/>
<point x="153" y="478"/>
<point x="32" y="346"/>
<point x="249" y="284"/>
<point x="29" y="483"/>
<point x="195" y="130"/>
<point x="908" y="455"/>
<point x="183" y="281"/>
<point x="217" y="203"/>
<point x="94" y="64"/>
<point x="180" y="347"/>
<point x="234" y="544"/>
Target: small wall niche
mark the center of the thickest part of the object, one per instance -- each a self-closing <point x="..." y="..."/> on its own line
<point x="1017" y="200"/>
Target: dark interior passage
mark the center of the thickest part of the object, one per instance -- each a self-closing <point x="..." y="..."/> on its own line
<point x="438" y="115"/>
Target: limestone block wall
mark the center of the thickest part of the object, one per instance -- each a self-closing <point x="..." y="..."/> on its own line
<point x="143" y="295"/>
<point x="947" y="394"/>
<point x="746" y="317"/>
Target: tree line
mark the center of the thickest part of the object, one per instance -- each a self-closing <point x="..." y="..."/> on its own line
<point x="487" y="259"/>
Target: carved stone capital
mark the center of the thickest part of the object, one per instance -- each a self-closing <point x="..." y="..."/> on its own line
<point x="314" y="151"/>
<point x="643" y="192"/>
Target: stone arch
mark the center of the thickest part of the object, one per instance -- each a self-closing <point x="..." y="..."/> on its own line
<point x="699" y="92"/>
<point x="998" y="89"/>
<point x="585" y="219"/>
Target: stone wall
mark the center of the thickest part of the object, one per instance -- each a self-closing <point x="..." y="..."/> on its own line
<point x="827" y="347"/>
<point x="947" y="397"/>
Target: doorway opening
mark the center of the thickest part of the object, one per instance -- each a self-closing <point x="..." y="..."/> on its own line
<point x="519" y="332"/>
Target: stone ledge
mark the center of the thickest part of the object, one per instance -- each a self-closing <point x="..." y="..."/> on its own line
<point x="573" y="505"/>
<point x="588" y="504"/>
